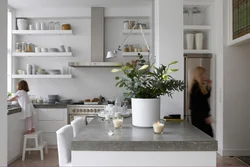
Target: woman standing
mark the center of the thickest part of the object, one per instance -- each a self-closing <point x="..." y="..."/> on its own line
<point x="199" y="94"/>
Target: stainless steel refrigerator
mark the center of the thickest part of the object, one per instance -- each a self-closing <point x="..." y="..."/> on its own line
<point x="191" y="62"/>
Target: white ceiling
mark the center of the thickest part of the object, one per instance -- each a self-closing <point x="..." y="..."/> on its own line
<point x="22" y="4"/>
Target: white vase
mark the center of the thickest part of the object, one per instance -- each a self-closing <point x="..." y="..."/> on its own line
<point x="190" y="41"/>
<point x="145" y="112"/>
<point x="199" y="41"/>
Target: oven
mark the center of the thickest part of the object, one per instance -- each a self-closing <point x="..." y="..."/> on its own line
<point x="87" y="112"/>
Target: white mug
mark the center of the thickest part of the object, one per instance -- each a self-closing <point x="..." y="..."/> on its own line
<point x="31" y="27"/>
<point x="38" y="27"/>
<point x="68" y="49"/>
<point x="190" y="41"/>
<point x="199" y="41"/>
<point x="37" y="49"/>
<point x="44" y="49"/>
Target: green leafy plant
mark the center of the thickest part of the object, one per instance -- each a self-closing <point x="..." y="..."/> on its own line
<point x="142" y="82"/>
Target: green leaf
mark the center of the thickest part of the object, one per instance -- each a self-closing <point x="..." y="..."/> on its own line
<point x="165" y="76"/>
<point x="143" y="67"/>
<point x="116" y="70"/>
<point x="174" y="69"/>
<point x="117" y="78"/>
<point x="126" y="68"/>
<point x="174" y="62"/>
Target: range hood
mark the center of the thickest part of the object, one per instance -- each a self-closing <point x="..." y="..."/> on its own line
<point x="97" y="42"/>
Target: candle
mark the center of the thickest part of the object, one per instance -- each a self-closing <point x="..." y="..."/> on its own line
<point x="118" y="122"/>
<point x="158" y="127"/>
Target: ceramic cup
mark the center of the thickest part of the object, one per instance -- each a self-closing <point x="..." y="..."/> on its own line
<point x="38" y="27"/>
<point x="37" y="49"/>
<point x="44" y="49"/>
<point x="42" y="26"/>
<point x="68" y="49"/>
<point x="31" y="27"/>
<point x="190" y="41"/>
<point x="62" y="48"/>
<point x="199" y="41"/>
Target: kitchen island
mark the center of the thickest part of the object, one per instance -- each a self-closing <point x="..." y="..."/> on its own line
<point x="181" y="144"/>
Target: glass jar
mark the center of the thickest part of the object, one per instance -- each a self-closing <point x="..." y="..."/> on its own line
<point x="24" y="46"/>
<point x="51" y="25"/>
<point x="130" y="48"/>
<point x="126" y="25"/>
<point x="28" y="47"/>
<point x="18" y="47"/>
<point x="132" y="24"/>
<point x="144" y="26"/>
<point x="125" y="49"/>
<point x="57" y="25"/>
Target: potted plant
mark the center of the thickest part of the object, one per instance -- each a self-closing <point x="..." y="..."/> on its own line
<point x="145" y="83"/>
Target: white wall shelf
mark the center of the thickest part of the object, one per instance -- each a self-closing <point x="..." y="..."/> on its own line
<point x="42" y="76"/>
<point x="134" y="54"/>
<point x="42" y="32"/>
<point x="186" y="51"/>
<point x="146" y="31"/>
<point x="197" y="28"/>
<point x="45" y="54"/>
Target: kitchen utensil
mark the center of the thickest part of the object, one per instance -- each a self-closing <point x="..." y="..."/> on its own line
<point x="190" y="41"/>
<point x="53" y="50"/>
<point x="38" y="26"/>
<point x="66" y="27"/>
<point x="68" y="49"/>
<point x="62" y="48"/>
<point x="44" y="49"/>
<point x="22" y="24"/>
<point x="31" y="27"/>
<point x="37" y="49"/>
<point x="199" y="41"/>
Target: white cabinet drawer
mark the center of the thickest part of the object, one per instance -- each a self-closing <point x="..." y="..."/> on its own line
<point x="50" y="126"/>
<point x="52" y="114"/>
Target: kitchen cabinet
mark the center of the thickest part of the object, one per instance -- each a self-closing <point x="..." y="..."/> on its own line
<point x="49" y="121"/>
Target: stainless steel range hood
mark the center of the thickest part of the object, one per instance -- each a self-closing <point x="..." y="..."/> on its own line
<point x="97" y="42"/>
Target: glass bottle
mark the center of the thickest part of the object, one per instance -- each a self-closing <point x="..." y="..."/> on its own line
<point x="24" y="47"/>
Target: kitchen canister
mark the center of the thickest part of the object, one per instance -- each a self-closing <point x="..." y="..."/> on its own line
<point x="190" y="41"/>
<point x="29" y="69"/>
<point x="22" y="24"/>
<point x="38" y="26"/>
<point x="199" y="41"/>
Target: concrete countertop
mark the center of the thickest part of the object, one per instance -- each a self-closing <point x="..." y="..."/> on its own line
<point x="14" y="110"/>
<point x="46" y="105"/>
<point x="176" y="137"/>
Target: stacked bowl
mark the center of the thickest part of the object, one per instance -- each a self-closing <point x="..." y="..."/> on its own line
<point x="54" y="72"/>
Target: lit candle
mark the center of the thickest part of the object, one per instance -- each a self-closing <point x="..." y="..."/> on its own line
<point x="158" y="127"/>
<point x="118" y="122"/>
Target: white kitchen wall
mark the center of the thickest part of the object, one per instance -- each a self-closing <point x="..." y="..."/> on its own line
<point x="3" y="88"/>
<point x="169" y="47"/>
<point x="236" y="114"/>
<point x="87" y="82"/>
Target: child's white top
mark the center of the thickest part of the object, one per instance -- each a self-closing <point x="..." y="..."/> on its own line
<point x="26" y="105"/>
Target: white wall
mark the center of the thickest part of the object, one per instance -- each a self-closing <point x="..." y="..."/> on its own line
<point x="169" y="47"/>
<point x="236" y="115"/>
<point x="3" y="88"/>
<point x="87" y="82"/>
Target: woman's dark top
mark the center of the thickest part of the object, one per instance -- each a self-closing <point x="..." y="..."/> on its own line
<point x="200" y="109"/>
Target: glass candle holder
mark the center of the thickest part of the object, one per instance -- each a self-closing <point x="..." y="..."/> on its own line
<point x="158" y="128"/>
<point x="118" y="122"/>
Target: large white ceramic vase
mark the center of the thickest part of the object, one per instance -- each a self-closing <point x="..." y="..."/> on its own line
<point x="145" y="112"/>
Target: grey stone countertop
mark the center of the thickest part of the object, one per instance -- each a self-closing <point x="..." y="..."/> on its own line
<point x="176" y="137"/>
<point x="47" y="105"/>
<point x="13" y="109"/>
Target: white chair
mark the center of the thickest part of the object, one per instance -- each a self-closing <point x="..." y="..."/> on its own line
<point x="64" y="139"/>
<point x="77" y="125"/>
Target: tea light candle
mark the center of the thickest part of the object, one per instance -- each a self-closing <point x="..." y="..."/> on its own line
<point x="117" y="123"/>
<point x="158" y="127"/>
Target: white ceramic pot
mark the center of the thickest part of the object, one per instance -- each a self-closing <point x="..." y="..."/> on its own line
<point x="145" y="112"/>
<point x="22" y="24"/>
<point x="190" y="41"/>
<point x="199" y="41"/>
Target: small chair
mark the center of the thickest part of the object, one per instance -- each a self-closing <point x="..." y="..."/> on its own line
<point x="39" y="144"/>
<point x="64" y="138"/>
<point x="77" y="125"/>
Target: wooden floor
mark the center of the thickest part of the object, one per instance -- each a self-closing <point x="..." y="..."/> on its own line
<point x="51" y="160"/>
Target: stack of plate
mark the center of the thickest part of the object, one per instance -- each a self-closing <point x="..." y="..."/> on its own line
<point x="41" y="72"/>
<point x="53" y="99"/>
<point x="54" y="72"/>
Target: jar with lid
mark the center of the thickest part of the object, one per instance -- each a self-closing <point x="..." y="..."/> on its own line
<point x="138" y="48"/>
<point x="51" y="25"/>
<point x="57" y="25"/>
<point x="18" y="47"/>
<point x="144" y="26"/>
<point x="135" y="48"/>
<point x="125" y="49"/>
<point x="29" y="47"/>
<point x="132" y="24"/>
<point x="130" y="48"/>
<point x="24" y="46"/>
<point x="126" y="25"/>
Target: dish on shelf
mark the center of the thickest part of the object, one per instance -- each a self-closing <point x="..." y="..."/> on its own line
<point x="54" y="72"/>
<point x="42" y="73"/>
<point x="53" y="50"/>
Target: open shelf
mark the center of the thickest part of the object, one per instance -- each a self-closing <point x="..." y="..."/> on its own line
<point x="186" y="51"/>
<point x="134" y="54"/>
<point x="42" y="54"/>
<point x="42" y="32"/>
<point x="197" y="28"/>
<point x="145" y="31"/>
<point x="43" y="76"/>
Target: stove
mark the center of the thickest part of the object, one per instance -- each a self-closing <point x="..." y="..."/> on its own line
<point x="88" y="112"/>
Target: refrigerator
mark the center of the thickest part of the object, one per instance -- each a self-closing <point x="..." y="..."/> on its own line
<point x="191" y="61"/>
